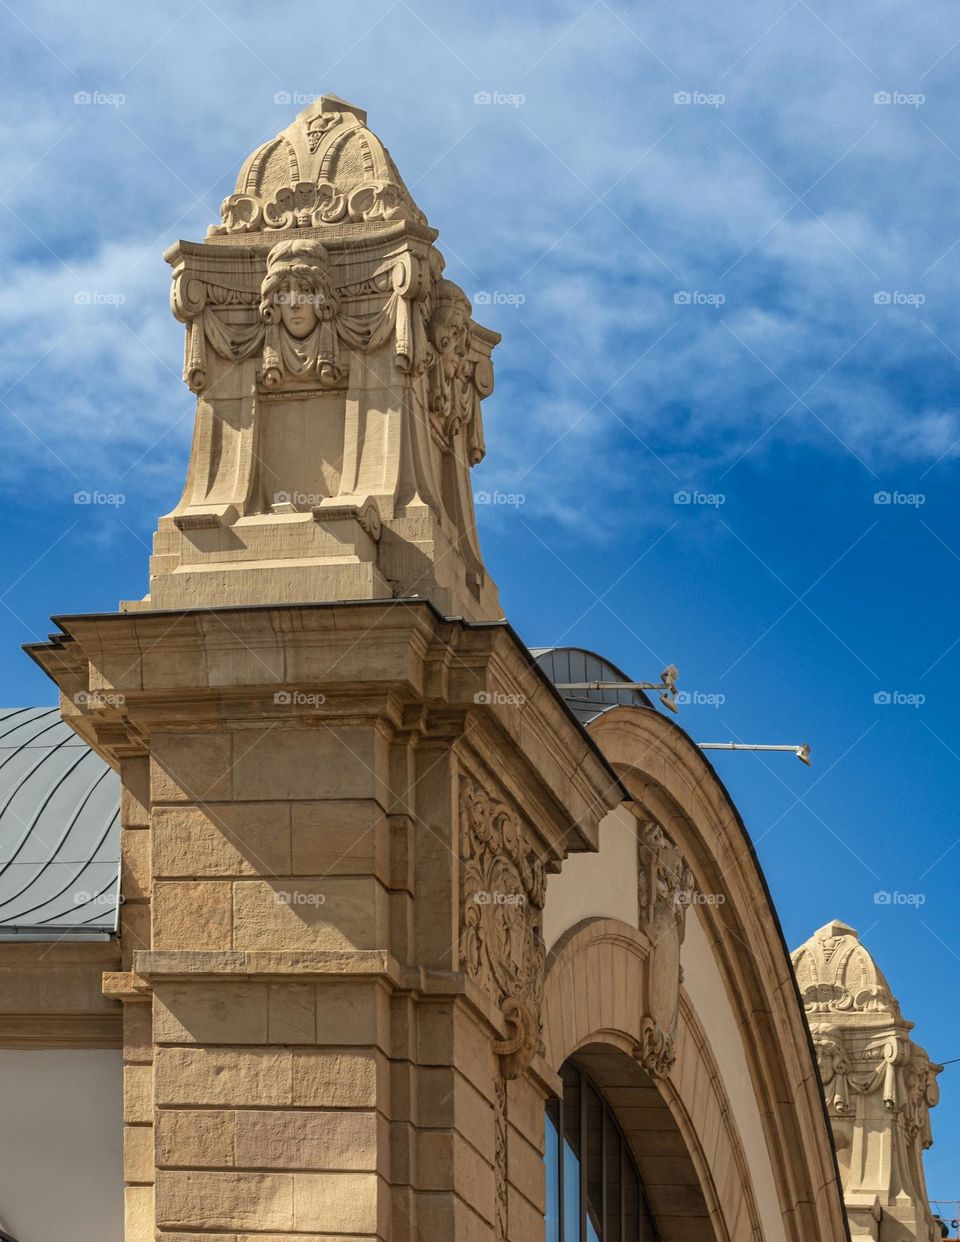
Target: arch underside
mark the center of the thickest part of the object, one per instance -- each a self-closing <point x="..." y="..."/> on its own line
<point x="680" y="1130"/>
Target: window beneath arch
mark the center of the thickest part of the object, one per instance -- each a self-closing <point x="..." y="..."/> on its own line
<point x="594" y="1192"/>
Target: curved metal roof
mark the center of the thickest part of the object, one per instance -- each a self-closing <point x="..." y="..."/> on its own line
<point x="573" y="664"/>
<point x="59" y="830"/>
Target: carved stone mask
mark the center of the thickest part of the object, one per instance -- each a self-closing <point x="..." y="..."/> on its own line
<point x="298" y="302"/>
<point x="296" y="289"/>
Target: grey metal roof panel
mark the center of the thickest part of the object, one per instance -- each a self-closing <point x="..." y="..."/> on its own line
<point x="573" y="664"/>
<point x="59" y="829"/>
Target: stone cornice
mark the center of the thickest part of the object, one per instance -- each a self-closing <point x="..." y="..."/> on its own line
<point x="125" y="674"/>
<point x="50" y="995"/>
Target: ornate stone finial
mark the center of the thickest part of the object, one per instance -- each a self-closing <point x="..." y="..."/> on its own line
<point x="325" y="168"/>
<point x="338" y="377"/>
<point x="879" y="1086"/>
<point x="836" y="974"/>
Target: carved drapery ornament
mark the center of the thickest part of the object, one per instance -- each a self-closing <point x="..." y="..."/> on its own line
<point x="890" y="1065"/>
<point x="666" y="889"/>
<point x="501" y="895"/>
<point x="208" y="310"/>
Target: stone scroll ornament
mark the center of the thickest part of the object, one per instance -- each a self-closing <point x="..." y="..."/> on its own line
<point x="302" y="325"/>
<point x="502" y="892"/>
<point x="308" y="204"/>
<point x="889" y="1064"/>
<point x="666" y="889"/>
<point x="457" y="384"/>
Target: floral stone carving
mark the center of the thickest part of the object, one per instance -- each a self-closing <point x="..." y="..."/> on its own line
<point x="502" y="892"/>
<point x="666" y="889"/>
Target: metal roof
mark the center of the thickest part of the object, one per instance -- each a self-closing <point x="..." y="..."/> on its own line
<point x="566" y="664"/>
<point x="59" y="830"/>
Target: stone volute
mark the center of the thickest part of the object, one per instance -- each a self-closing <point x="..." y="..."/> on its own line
<point x="338" y="379"/>
<point x="878" y="1085"/>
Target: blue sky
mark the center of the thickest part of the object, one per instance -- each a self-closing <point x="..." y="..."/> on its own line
<point x="722" y="247"/>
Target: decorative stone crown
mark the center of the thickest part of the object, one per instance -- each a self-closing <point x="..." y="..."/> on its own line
<point x="338" y="377"/>
<point x="836" y="974"/>
<point x="325" y="168"/>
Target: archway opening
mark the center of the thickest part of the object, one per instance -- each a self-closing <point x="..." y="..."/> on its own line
<point x="618" y="1168"/>
<point x="594" y="1189"/>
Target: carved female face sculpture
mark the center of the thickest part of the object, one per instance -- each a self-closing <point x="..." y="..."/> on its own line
<point x="296" y="289"/>
<point x="298" y="301"/>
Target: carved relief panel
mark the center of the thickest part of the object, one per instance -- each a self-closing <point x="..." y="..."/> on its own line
<point x="501" y="915"/>
<point x="666" y="889"/>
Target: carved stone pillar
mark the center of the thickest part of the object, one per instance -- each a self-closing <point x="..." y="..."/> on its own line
<point x="878" y="1086"/>
<point x="339" y="821"/>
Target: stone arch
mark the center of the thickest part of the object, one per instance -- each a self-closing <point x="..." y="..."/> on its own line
<point x="681" y="1130"/>
<point x="669" y="779"/>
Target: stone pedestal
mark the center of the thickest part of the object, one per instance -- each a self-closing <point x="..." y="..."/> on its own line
<point x="336" y="826"/>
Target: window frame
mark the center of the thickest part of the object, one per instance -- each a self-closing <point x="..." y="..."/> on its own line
<point x="646" y="1229"/>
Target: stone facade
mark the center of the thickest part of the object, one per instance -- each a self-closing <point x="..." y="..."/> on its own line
<point x="329" y="1026"/>
<point x="352" y="803"/>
